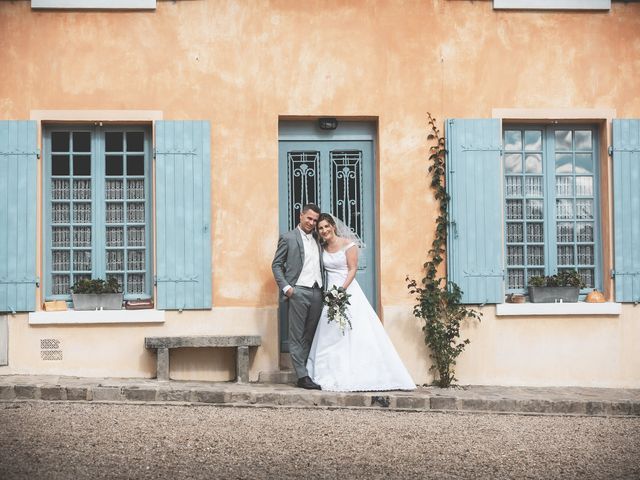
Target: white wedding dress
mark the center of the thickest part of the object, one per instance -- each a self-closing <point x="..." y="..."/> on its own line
<point x="363" y="359"/>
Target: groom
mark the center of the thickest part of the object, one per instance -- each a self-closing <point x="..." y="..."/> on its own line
<point x="297" y="268"/>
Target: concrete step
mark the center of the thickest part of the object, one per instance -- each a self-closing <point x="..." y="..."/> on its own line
<point x="473" y="398"/>
<point x="278" y="377"/>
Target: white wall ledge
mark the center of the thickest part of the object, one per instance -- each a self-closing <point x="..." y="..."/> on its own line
<point x="557" y="309"/>
<point x="76" y="317"/>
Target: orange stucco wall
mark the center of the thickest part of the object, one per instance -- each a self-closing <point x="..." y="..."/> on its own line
<point x="245" y="64"/>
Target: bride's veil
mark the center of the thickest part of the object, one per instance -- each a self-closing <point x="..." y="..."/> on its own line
<point x="343" y="230"/>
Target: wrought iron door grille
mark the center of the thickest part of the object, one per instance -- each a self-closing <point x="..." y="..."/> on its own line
<point x="346" y="188"/>
<point x="303" y="182"/>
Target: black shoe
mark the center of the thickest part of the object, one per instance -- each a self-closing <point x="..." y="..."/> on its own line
<point x="306" y="382"/>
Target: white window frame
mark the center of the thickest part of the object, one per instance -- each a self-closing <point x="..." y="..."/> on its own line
<point x="94" y="4"/>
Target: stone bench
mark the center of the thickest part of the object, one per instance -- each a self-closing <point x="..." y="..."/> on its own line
<point x="241" y="342"/>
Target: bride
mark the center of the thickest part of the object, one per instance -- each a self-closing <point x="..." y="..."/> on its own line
<point x="362" y="358"/>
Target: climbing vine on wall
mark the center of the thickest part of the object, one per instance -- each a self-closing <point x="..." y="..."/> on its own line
<point x="437" y="299"/>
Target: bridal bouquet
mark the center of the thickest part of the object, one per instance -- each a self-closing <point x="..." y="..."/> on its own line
<point x="337" y="299"/>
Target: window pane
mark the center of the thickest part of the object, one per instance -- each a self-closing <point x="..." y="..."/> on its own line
<point x="535" y="210"/>
<point x="565" y="255"/>
<point x="515" y="278"/>
<point x="60" y="189"/>
<point x="82" y="236"/>
<point x="81" y="213"/>
<point x="564" y="232"/>
<point x="534" y="186"/>
<point x="82" y="260"/>
<point x="564" y="186"/>
<point x="114" y="165"/>
<point x="135" y="189"/>
<point x="512" y="140"/>
<point x="81" y="141"/>
<point x="584" y="209"/>
<point x="135" y="141"/>
<point x="61" y="260"/>
<point x="135" y="212"/>
<point x="515" y="255"/>
<point x="585" y="232"/>
<point x="115" y="237"/>
<point x="564" y="209"/>
<point x="513" y="163"/>
<point x="533" y="140"/>
<point x="113" y="142"/>
<point x="59" y="164"/>
<point x="514" y="233"/>
<point x="583" y="140"/>
<point x="513" y="187"/>
<point x="585" y="255"/>
<point x="82" y="164"/>
<point x="114" y="190"/>
<point x="535" y="255"/>
<point x="61" y="284"/>
<point x="115" y="260"/>
<point x="60" y="141"/>
<point x="587" y="275"/>
<point x="135" y="165"/>
<point x="584" y="186"/>
<point x="115" y="213"/>
<point x="564" y="163"/>
<point x="60" y="213"/>
<point x="135" y="260"/>
<point x="584" y="163"/>
<point x="563" y="140"/>
<point x="533" y="163"/>
<point x="60" y="237"/>
<point x="135" y="283"/>
<point x="82" y="189"/>
<point x="514" y="210"/>
<point x="135" y="236"/>
<point x="535" y="232"/>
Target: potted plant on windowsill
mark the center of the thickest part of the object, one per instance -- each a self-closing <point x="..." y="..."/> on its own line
<point x="563" y="287"/>
<point x="97" y="295"/>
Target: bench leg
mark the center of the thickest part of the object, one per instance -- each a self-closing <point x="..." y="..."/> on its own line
<point x="242" y="365"/>
<point x="163" y="364"/>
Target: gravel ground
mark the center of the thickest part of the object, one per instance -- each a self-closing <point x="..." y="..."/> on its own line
<point x="80" y="440"/>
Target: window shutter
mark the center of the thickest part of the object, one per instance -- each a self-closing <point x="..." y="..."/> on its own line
<point x="18" y="171"/>
<point x="626" y="209"/>
<point x="183" y="215"/>
<point x="474" y="184"/>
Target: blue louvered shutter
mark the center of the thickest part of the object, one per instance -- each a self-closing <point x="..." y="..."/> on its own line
<point x="626" y="208"/>
<point x="474" y="184"/>
<point x="18" y="174"/>
<point x="183" y="215"/>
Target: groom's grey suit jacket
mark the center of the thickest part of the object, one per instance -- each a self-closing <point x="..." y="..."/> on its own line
<point x="289" y="258"/>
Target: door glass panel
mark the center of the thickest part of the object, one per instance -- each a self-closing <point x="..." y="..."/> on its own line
<point x="303" y="175"/>
<point x="532" y="140"/>
<point x="346" y="189"/>
<point x="563" y="140"/>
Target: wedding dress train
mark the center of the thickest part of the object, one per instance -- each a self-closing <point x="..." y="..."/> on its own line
<point x="363" y="359"/>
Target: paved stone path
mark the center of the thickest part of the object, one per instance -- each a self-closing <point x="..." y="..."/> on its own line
<point x="77" y="440"/>
<point x="558" y="400"/>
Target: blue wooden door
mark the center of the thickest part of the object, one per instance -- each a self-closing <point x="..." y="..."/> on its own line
<point x="338" y="176"/>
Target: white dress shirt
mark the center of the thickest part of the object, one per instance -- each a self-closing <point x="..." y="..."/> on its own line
<point x="310" y="273"/>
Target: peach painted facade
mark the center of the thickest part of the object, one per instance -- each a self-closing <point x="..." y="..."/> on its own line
<point x="245" y="65"/>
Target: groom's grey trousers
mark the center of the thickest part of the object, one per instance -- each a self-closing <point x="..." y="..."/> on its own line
<point x="305" y="307"/>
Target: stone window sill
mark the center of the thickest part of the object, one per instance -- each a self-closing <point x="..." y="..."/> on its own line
<point x="557" y="309"/>
<point x="74" y="317"/>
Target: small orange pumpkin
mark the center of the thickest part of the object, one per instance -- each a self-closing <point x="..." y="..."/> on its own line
<point x="595" y="297"/>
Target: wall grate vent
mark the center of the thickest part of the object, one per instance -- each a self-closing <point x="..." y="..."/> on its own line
<point x="50" y="349"/>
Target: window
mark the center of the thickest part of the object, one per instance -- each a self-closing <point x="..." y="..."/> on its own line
<point x="97" y="215"/>
<point x="551" y="203"/>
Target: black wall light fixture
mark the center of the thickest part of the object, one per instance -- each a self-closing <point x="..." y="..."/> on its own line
<point x="328" y="123"/>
